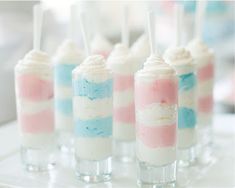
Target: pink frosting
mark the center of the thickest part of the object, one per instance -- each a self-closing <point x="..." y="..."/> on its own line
<point x="205" y="104"/>
<point x="125" y="114"/>
<point x="157" y="136"/>
<point x="206" y="72"/>
<point x="160" y="91"/>
<point x="33" y="88"/>
<point x="123" y="82"/>
<point x="41" y="122"/>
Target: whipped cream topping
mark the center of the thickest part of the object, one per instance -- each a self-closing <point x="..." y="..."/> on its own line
<point x="68" y="52"/>
<point x="93" y="68"/>
<point x="100" y="44"/>
<point x="121" y="60"/>
<point x="154" y="67"/>
<point x="36" y="62"/>
<point x="198" y="48"/>
<point x="141" y="47"/>
<point x="178" y="56"/>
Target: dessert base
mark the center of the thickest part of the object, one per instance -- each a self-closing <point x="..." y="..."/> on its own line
<point x="186" y="157"/>
<point x="93" y="171"/>
<point x="38" y="159"/>
<point x="156" y="176"/>
<point x="124" y="151"/>
<point x="65" y="141"/>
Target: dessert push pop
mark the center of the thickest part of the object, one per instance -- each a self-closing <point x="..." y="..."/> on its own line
<point x="156" y="121"/>
<point x="92" y="102"/>
<point x="123" y="66"/>
<point x="35" y="108"/>
<point x="204" y="58"/>
<point x="181" y="60"/>
<point x="67" y="57"/>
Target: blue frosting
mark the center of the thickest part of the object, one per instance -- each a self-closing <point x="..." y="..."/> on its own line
<point x="99" y="127"/>
<point x="187" y="81"/>
<point x="92" y="90"/>
<point x="186" y="118"/>
<point x="64" y="106"/>
<point x="63" y="74"/>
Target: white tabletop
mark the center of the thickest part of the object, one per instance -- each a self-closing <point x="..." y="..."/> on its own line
<point x="219" y="174"/>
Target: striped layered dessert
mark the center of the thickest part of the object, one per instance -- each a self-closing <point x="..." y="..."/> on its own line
<point x="156" y="112"/>
<point x="34" y="95"/>
<point x="181" y="60"/>
<point x="92" y="107"/>
<point x="123" y="66"/>
<point x="205" y="74"/>
<point x="66" y="59"/>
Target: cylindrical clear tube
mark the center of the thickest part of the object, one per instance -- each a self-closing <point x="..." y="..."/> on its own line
<point x="123" y="66"/>
<point x="205" y="75"/>
<point x="92" y="101"/>
<point x="156" y="123"/>
<point x="181" y="60"/>
<point x="66" y="59"/>
<point x="35" y="111"/>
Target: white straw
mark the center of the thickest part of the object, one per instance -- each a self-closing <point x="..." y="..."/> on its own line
<point x="37" y="26"/>
<point x="72" y="22"/>
<point x="199" y="18"/>
<point x="178" y="23"/>
<point x="125" y="25"/>
<point x="84" y="33"/>
<point x="151" y="33"/>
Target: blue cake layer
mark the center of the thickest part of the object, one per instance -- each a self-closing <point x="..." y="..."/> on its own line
<point x="64" y="106"/>
<point x="186" y="118"/>
<point x="93" y="90"/>
<point x="99" y="127"/>
<point x="63" y="74"/>
<point x="187" y="81"/>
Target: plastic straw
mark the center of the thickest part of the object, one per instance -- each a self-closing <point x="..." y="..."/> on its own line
<point x="37" y="26"/>
<point x="125" y="25"/>
<point x="151" y="33"/>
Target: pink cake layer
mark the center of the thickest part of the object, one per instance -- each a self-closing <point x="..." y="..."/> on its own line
<point x="125" y="114"/>
<point x="123" y="82"/>
<point x="157" y="136"/>
<point x="205" y="104"/>
<point x="162" y="91"/>
<point x="206" y="72"/>
<point x="33" y="88"/>
<point x="41" y="122"/>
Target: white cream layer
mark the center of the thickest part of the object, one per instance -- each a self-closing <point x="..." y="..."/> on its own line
<point x="93" y="148"/>
<point x="39" y="140"/>
<point x="157" y="115"/>
<point x="187" y="98"/>
<point x="37" y="63"/>
<point x="28" y="107"/>
<point x="63" y="92"/>
<point x="205" y="88"/>
<point x="63" y="122"/>
<point x="123" y="98"/>
<point x="186" y="138"/>
<point x="123" y="131"/>
<point x="204" y="119"/>
<point x="155" y="156"/>
<point x="94" y="69"/>
<point x="101" y="44"/>
<point x="84" y="108"/>
<point x="68" y="53"/>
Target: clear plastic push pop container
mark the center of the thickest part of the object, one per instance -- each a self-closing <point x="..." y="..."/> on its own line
<point x="204" y="58"/>
<point x="92" y="102"/>
<point x="181" y="60"/>
<point x="156" y="123"/>
<point x="68" y="56"/>
<point x="123" y="66"/>
<point x="35" y="110"/>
